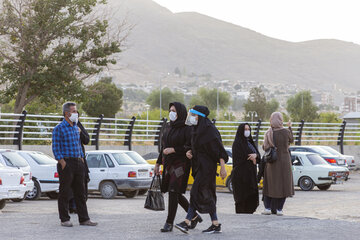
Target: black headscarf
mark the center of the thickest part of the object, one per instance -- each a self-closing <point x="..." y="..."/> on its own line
<point x="241" y="142"/>
<point x="204" y="131"/>
<point x="181" y="115"/>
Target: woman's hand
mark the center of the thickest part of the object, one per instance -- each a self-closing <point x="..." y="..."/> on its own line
<point x="189" y="154"/>
<point x="168" y="151"/>
<point x="223" y="172"/>
<point x="289" y="124"/>
<point x="252" y="157"/>
<point x="157" y="169"/>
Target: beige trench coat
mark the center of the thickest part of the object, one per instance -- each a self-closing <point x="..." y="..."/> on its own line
<point x="278" y="177"/>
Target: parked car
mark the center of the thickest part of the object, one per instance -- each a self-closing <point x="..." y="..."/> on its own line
<point x="44" y="174"/>
<point x="11" y="184"/>
<point x="311" y="170"/>
<point x="140" y="160"/>
<point x="335" y="160"/>
<point x="11" y="158"/>
<point x="113" y="171"/>
<point x="350" y="160"/>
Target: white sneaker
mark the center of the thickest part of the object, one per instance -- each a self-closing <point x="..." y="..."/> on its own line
<point x="266" y="212"/>
<point x="279" y="213"/>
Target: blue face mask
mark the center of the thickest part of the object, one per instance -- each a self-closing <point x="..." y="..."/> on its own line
<point x="247" y="133"/>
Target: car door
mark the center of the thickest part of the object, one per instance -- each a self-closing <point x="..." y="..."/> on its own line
<point x="113" y="173"/>
<point x="298" y="168"/>
<point x="98" y="169"/>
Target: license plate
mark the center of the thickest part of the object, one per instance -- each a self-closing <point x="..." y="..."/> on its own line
<point x="341" y="162"/>
<point x="143" y="174"/>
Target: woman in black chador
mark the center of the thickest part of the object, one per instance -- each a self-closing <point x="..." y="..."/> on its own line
<point x="206" y="153"/>
<point x="175" y="141"/>
<point x="244" y="175"/>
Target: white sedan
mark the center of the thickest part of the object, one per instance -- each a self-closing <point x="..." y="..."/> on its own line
<point x="312" y="170"/>
<point x="44" y="174"/>
<point x="113" y="171"/>
<point x="11" y="184"/>
<point x="11" y="158"/>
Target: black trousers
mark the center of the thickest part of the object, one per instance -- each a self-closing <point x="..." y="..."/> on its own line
<point x="274" y="203"/>
<point x="175" y="199"/>
<point x="72" y="180"/>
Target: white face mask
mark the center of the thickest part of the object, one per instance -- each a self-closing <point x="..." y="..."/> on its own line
<point x="172" y="116"/>
<point x="193" y="120"/>
<point x="247" y="133"/>
<point x="74" y="117"/>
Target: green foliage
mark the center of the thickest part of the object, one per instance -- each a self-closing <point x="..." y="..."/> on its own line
<point x="154" y="114"/>
<point x="208" y="97"/>
<point x="135" y="95"/>
<point x="271" y="106"/>
<point x="328" y="117"/>
<point x="302" y="107"/>
<point x="49" y="46"/>
<point x="256" y="102"/>
<point x="103" y="97"/>
<point x="167" y="96"/>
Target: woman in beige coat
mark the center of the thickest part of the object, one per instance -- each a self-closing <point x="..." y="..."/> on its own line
<point x="278" y="178"/>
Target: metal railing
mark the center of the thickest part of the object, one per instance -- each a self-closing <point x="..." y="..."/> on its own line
<point x="19" y="129"/>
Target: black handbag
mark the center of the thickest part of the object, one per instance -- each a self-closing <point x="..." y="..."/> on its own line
<point x="155" y="199"/>
<point x="270" y="155"/>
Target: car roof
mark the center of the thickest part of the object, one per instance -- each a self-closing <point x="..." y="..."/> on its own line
<point x="303" y="153"/>
<point x="7" y="150"/>
<point x="109" y="151"/>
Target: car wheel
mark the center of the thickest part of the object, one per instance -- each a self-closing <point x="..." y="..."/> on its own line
<point x="2" y="203"/>
<point x="35" y="193"/>
<point x="142" y="192"/>
<point x="324" y="187"/>
<point x="131" y="194"/>
<point x="229" y="184"/>
<point x="52" y="195"/>
<point x="108" y="190"/>
<point x="306" y="184"/>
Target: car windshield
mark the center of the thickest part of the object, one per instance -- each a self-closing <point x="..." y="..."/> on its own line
<point x="321" y="151"/>
<point x="13" y="159"/>
<point x="316" y="159"/>
<point x="331" y="150"/>
<point x="123" y="159"/>
<point x="137" y="158"/>
<point x="42" y="159"/>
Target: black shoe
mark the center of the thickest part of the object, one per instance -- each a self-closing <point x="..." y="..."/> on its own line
<point x="183" y="227"/>
<point x="167" y="228"/>
<point x="213" y="229"/>
<point x="195" y="221"/>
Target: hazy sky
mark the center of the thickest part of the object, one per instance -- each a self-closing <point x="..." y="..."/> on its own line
<point x="292" y="20"/>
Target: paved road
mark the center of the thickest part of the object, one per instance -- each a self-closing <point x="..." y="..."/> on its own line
<point x="331" y="214"/>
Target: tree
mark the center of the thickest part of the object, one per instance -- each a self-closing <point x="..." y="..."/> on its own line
<point x="302" y="107"/>
<point x="47" y="47"/>
<point x="208" y="97"/>
<point x="103" y="97"/>
<point x="328" y="117"/>
<point x="256" y="103"/>
<point x="167" y="96"/>
<point x="271" y="106"/>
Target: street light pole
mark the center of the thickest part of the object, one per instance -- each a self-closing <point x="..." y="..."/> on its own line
<point x="147" y="120"/>
<point x="252" y="114"/>
<point x="160" y="98"/>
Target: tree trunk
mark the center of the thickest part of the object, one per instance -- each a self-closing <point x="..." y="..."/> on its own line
<point x="21" y="98"/>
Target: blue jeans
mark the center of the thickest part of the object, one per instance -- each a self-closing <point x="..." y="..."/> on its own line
<point x="191" y="214"/>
